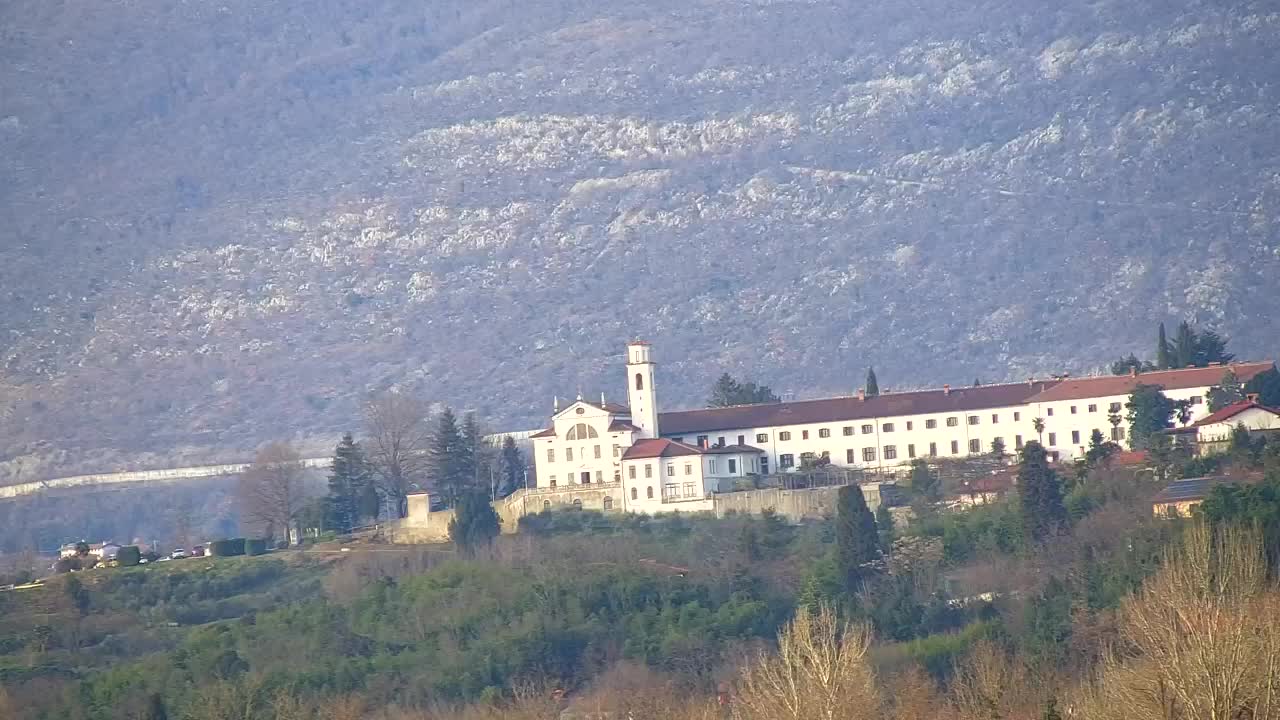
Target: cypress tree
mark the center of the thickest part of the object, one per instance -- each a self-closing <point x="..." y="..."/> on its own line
<point x="1184" y="346"/>
<point x="857" y="540"/>
<point x="510" y="467"/>
<point x="470" y="453"/>
<point x="1162" y="350"/>
<point x="873" y="385"/>
<point x="1041" y="506"/>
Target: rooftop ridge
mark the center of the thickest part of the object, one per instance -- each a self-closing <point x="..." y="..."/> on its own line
<point x="883" y="393"/>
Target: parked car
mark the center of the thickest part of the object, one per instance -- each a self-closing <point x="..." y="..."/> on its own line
<point x="178" y="554"/>
<point x="197" y="551"/>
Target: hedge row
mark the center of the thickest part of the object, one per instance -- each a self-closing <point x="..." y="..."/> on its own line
<point x="237" y="546"/>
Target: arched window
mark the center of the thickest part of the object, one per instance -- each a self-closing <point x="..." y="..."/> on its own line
<point x="634" y="494"/>
<point x="639" y="381"/>
<point x="581" y="431"/>
<point x="577" y="504"/>
<point x="546" y="504"/>
<point x="608" y="503"/>
<point x="648" y="492"/>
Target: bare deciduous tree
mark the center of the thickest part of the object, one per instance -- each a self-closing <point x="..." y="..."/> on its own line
<point x="1199" y="640"/>
<point x="271" y="491"/>
<point x="820" y="672"/>
<point x="399" y="436"/>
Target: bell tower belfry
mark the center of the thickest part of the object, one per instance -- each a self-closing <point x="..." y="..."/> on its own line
<point x="641" y="393"/>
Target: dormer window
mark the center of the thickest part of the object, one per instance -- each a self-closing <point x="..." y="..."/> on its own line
<point x="581" y="431"/>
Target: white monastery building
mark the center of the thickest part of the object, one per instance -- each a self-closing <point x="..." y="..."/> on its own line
<point x="651" y="461"/>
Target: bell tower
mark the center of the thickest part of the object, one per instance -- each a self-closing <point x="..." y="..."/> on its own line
<point x="641" y="393"/>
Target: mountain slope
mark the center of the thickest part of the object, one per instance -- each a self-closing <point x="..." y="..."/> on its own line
<point x="233" y="221"/>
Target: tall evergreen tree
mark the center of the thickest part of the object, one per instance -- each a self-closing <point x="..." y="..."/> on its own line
<point x="857" y="538"/>
<point x="471" y="453"/>
<point x="349" y="477"/>
<point x="474" y="524"/>
<point x="1149" y="414"/>
<point x="510" y="467"/>
<point x="1162" y="350"/>
<point x="445" y="459"/>
<point x="873" y="385"/>
<point x="1041" y="506"/>
<point x="1210" y="348"/>
<point x="1184" y="346"/>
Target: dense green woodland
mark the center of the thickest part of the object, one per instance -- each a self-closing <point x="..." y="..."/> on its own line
<point x="234" y="220"/>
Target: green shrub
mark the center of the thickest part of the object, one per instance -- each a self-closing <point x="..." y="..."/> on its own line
<point x="128" y="556"/>
<point x="255" y="546"/>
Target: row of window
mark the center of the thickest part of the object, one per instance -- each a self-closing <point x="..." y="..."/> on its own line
<point x="1112" y="408"/>
<point x="869" y="428"/>
<point x="582" y="453"/>
<point x="669" y="492"/>
<point x="584" y="478"/>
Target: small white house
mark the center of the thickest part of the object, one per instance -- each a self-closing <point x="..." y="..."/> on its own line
<point x="1213" y="433"/>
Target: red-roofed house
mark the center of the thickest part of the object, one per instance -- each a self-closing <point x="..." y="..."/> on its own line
<point x="661" y="475"/>
<point x="1212" y="433"/>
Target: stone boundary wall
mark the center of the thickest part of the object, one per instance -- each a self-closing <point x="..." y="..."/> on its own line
<point x="426" y="526"/>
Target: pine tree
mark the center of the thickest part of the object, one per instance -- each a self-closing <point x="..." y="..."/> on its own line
<point x="510" y="467"/>
<point x="349" y="477"/>
<point x="725" y="392"/>
<point x="448" y="472"/>
<point x="873" y="385"/>
<point x="857" y="540"/>
<point x="728" y="392"/>
<point x="1162" y="350"/>
<point x="1041" y="506"/>
<point x="1228" y="391"/>
<point x="474" y="524"/>
<point x="997" y="448"/>
<point x="1149" y="414"/>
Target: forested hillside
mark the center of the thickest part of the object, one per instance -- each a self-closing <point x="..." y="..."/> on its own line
<point x="231" y="221"/>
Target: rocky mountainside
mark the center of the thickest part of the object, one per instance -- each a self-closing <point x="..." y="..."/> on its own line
<point x="227" y="222"/>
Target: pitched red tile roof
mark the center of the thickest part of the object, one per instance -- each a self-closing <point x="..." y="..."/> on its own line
<point x="658" y="447"/>
<point x="549" y="432"/>
<point x="621" y="426"/>
<point x="1231" y="411"/>
<point x="1110" y="385"/>
<point x="803" y="412"/>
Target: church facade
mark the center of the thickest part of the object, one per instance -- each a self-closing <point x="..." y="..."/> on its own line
<point x="645" y="460"/>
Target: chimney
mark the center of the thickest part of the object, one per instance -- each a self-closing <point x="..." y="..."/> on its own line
<point x="1133" y="372"/>
<point x="1251" y="397"/>
<point x="946" y="389"/>
<point x="862" y="394"/>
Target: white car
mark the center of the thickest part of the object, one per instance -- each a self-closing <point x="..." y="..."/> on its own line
<point x="178" y="554"/>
